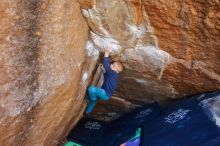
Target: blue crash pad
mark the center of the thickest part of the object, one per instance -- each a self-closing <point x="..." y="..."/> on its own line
<point x="183" y="124"/>
<point x="187" y="122"/>
<point x="90" y="132"/>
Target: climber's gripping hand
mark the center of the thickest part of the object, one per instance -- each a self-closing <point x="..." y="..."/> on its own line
<point x="107" y="52"/>
<point x="102" y="68"/>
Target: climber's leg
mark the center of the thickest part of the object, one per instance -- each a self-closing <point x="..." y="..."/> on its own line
<point x="90" y="106"/>
<point x="95" y="93"/>
<point x="101" y="94"/>
<point x="92" y="93"/>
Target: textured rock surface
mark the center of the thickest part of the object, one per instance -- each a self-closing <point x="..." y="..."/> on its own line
<point x="44" y="70"/>
<point x="170" y="48"/>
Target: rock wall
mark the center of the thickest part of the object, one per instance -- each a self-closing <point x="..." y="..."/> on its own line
<point x="170" y="49"/>
<point x="44" y="70"/>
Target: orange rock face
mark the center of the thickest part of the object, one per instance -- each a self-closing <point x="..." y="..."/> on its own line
<point x="190" y="32"/>
<point x="44" y="70"/>
<point x="170" y="49"/>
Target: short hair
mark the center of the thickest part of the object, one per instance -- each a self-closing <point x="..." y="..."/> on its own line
<point x="119" y="65"/>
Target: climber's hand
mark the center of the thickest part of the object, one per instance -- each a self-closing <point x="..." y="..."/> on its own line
<point x="102" y="68"/>
<point x="107" y="52"/>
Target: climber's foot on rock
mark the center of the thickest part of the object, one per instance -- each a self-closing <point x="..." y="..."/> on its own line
<point x="86" y="100"/>
<point x="87" y="115"/>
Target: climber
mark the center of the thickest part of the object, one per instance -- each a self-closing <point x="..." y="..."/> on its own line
<point x="109" y="84"/>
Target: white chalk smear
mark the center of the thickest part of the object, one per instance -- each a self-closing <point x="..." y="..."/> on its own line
<point x="85" y="77"/>
<point x="153" y="55"/>
<point x="91" y="49"/>
<point x="141" y="81"/>
<point x="104" y="42"/>
<point x="138" y="31"/>
<point x="85" y="13"/>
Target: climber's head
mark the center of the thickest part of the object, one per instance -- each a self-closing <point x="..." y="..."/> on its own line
<point x="117" y="66"/>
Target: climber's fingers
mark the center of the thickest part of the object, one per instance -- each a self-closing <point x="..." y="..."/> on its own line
<point x="102" y="68"/>
<point x="107" y="50"/>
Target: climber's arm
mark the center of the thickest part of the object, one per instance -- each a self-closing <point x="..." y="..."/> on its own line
<point x="107" y="52"/>
<point x="106" y="60"/>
